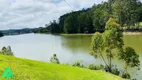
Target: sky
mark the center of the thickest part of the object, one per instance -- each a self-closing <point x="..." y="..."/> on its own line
<point x="16" y="14"/>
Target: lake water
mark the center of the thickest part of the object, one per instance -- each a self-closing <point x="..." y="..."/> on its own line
<point x="69" y="49"/>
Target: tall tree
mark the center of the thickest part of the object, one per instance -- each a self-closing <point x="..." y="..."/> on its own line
<point x="69" y="26"/>
<point x="101" y="16"/>
<point x="54" y="27"/>
<point x="110" y="40"/>
<point x="139" y="10"/>
<point x="125" y="11"/>
<point x="97" y="46"/>
<point x="110" y="7"/>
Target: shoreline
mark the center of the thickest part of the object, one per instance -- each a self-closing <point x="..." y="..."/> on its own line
<point x="132" y="33"/>
<point x="125" y="33"/>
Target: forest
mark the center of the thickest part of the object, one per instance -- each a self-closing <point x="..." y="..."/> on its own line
<point x="128" y="14"/>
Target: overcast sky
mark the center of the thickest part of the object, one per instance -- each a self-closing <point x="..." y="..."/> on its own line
<point x="15" y="14"/>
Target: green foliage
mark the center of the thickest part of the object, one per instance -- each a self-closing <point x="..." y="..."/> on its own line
<point x="111" y="43"/>
<point x="78" y="22"/>
<point x="53" y="27"/>
<point x="78" y="64"/>
<point x="115" y="71"/>
<point x="112" y="40"/>
<point x="41" y="30"/>
<point x="7" y="51"/>
<point x="108" y="41"/>
<point x="94" y="67"/>
<point x="126" y="75"/>
<point x="126" y="11"/>
<point x="97" y="44"/>
<point x="113" y="35"/>
<point x="101" y="16"/>
<point x="139" y="10"/>
<point x="112" y="24"/>
<point x="130" y="57"/>
<point x="54" y="59"/>
<point x="70" y="26"/>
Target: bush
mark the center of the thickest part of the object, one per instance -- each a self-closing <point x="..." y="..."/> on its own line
<point x="78" y="64"/>
<point x="54" y="59"/>
<point x="94" y="67"/>
<point x="115" y="71"/>
<point x="7" y="51"/>
<point x="106" y="68"/>
<point x="126" y="75"/>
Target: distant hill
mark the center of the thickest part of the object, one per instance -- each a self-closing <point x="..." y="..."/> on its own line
<point x="17" y="31"/>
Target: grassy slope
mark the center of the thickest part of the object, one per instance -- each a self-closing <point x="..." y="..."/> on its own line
<point x="24" y="69"/>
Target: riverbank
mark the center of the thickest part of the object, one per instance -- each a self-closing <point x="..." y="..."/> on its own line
<point x="132" y="33"/>
<point x="125" y="33"/>
<point x="24" y="69"/>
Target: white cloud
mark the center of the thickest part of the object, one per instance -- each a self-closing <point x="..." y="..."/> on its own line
<point x="84" y="3"/>
<point x="36" y="13"/>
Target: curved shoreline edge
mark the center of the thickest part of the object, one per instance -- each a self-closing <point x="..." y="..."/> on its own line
<point x="125" y="33"/>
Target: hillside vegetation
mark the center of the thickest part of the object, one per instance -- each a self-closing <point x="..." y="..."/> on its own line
<point x="24" y="69"/>
<point x="128" y="14"/>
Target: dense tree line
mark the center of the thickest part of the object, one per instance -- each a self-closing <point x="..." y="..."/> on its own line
<point x="128" y="13"/>
<point x="1" y="34"/>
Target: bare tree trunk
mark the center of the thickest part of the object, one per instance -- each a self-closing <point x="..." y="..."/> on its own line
<point x="110" y="62"/>
<point x="126" y="67"/>
<point x="109" y="59"/>
<point x="104" y="60"/>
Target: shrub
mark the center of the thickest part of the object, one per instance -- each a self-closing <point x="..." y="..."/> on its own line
<point x="115" y="71"/>
<point x="7" y="51"/>
<point x="94" y="67"/>
<point x="126" y="75"/>
<point x="78" y="64"/>
<point x="54" y="59"/>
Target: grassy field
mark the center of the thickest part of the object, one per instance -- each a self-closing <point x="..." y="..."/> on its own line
<point x="24" y="69"/>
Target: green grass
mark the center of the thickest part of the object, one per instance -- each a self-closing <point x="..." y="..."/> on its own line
<point x="24" y="69"/>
